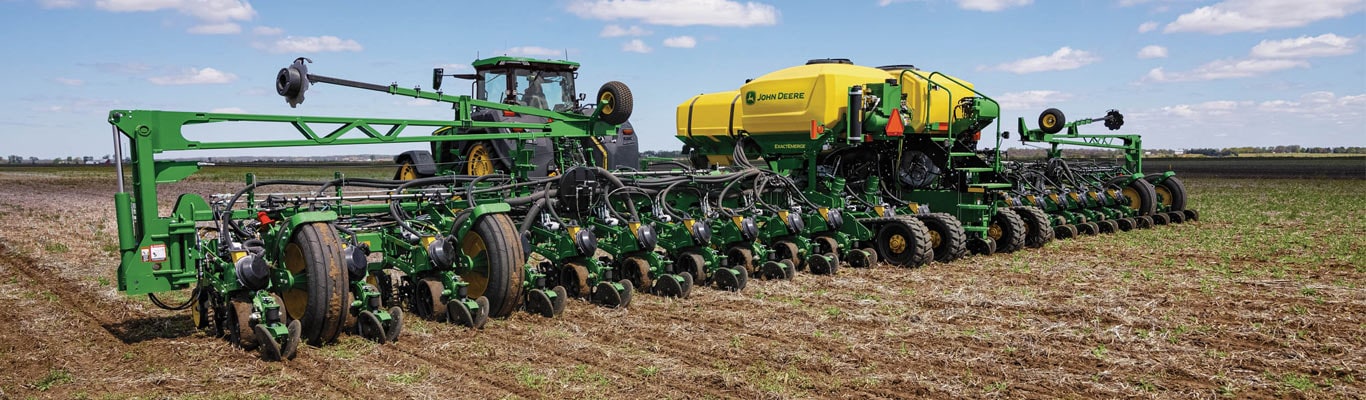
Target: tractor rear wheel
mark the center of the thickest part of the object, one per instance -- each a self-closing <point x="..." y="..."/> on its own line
<point x="1008" y="230"/>
<point x="947" y="238"/>
<point x="322" y="305"/>
<point x="496" y="252"/>
<point x="479" y="159"/>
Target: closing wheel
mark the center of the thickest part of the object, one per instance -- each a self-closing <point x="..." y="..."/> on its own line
<point x="537" y="302"/>
<point x="728" y="279"/>
<point x="561" y="296"/>
<point x="1143" y="221"/>
<point x="1038" y="229"/>
<point x="773" y="270"/>
<point x="574" y="278"/>
<point x="789" y="270"/>
<point x="460" y="314"/>
<point x="479" y="159"/>
<point x="686" y="284"/>
<point x="1051" y="121"/>
<point x="394" y="327"/>
<point x="1107" y="226"/>
<point x="667" y="286"/>
<point x="947" y="237"/>
<point x="481" y="318"/>
<point x="291" y="347"/>
<point x="1126" y="224"/>
<point x="427" y="302"/>
<point x="821" y="264"/>
<point x="266" y="344"/>
<point x="872" y="256"/>
<point x="692" y="264"/>
<point x="1140" y="195"/>
<point x="628" y="291"/>
<point x="240" y="331"/>
<point x="496" y="256"/>
<point x="606" y="295"/>
<point x="1008" y="230"/>
<point x="637" y="270"/>
<point x="615" y="99"/>
<point x="1171" y="192"/>
<point x="322" y="305"/>
<point x="861" y="258"/>
<point x="1191" y="215"/>
<point x="1066" y="231"/>
<point x="369" y="327"/>
<point x="904" y="242"/>
<point x="786" y="250"/>
<point x="1160" y="219"/>
<point x="1088" y="228"/>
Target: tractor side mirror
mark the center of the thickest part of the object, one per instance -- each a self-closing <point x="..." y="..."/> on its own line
<point x="436" y="78"/>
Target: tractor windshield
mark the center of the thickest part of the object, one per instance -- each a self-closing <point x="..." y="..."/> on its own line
<point x="549" y="90"/>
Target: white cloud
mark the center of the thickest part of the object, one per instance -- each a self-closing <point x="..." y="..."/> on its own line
<point x="533" y="51"/>
<point x="310" y="44"/>
<point x="617" y="31"/>
<point x="1030" y="99"/>
<point x="1225" y="69"/>
<point x="194" y="76"/>
<point x="1064" y="59"/>
<point x="225" y="28"/>
<point x="1322" y="105"/>
<point x="1205" y="109"/>
<point x="267" y="31"/>
<point x="636" y="46"/>
<point x="991" y="5"/>
<point x="1261" y="15"/>
<point x="212" y="11"/>
<point x="1147" y="27"/>
<point x="1152" y="51"/>
<point x="69" y="81"/>
<point x="683" y="42"/>
<point x="884" y="3"/>
<point x="449" y="68"/>
<point x="58" y="3"/>
<point x="228" y="110"/>
<point x="678" y="12"/>
<point x="1326" y="45"/>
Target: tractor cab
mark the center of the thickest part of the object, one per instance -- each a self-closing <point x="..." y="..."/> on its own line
<point x="543" y="84"/>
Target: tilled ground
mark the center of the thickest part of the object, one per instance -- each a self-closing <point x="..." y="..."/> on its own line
<point x="1263" y="298"/>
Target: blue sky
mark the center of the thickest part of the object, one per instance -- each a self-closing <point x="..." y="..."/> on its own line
<point x="1186" y="73"/>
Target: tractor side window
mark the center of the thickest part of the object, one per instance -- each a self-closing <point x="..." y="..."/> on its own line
<point x="495" y="86"/>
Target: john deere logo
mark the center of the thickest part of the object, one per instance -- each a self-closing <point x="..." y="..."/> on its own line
<point x="751" y="97"/>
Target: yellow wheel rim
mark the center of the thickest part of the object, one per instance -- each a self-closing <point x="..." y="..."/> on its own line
<point x="1164" y="196"/>
<point x="296" y="299"/>
<point x="1132" y="195"/>
<point x="897" y="243"/>
<point x="606" y="98"/>
<point x="934" y="239"/>
<point x="1049" y="120"/>
<point x="479" y="160"/>
<point x="995" y="232"/>
<point x="407" y="172"/>
<point x="473" y="246"/>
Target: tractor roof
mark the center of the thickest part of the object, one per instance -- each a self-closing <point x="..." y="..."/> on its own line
<point x="553" y="65"/>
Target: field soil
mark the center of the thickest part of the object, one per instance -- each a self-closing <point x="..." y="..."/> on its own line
<point x="1262" y="298"/>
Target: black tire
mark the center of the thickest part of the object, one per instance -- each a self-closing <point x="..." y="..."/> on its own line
<point x="947" y="238"/>
<point x="742" y="259"/>
<point x="498" y="256"/>
<point x="1172" y="192"/>
<point x="1176" y="217"/>
<point x="787" y="250"/>
<point x="1143" y="222"/>
<point x="1008" y="230"/>
<point x="1087" y="229"/>
<point x="1108" y="226"/>
<point x="323" y="306"/>
<point x="1052" y="121"/>
<point x="1125" y="224"/>
<point x="692" y="264"/>
<point x="619" y="102"/>
<point x="1142" y="195"/>
<point x="1191" y="215"/>
<point x="1038" y="229"/>
<point x="1065" y="231"/>
<point x="1160" y="219"/>
<point x="637" y="270"/>
<point x="904" y="242"/>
